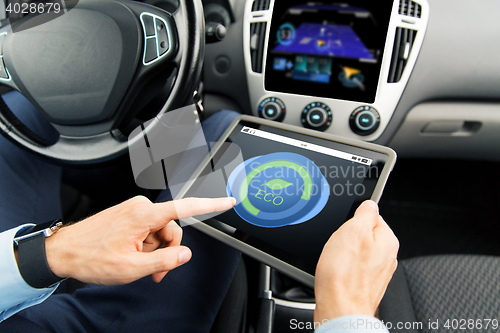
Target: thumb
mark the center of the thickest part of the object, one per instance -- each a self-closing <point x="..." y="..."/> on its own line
<point x="163" y="260"/>
<point x="367" y="214"/>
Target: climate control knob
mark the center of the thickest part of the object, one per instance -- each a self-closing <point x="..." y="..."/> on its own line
<point x="272" y="108"/>
<point x="365" y="120"/>
<point x="317" y="116"/>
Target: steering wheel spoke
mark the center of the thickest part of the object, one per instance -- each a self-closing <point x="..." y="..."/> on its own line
<point x="160" y="40"/>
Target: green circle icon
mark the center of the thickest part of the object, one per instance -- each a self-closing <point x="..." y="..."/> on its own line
<point x="304" y="174"/>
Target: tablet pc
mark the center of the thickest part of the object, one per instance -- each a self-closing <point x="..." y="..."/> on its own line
<point x="294" y="187"/>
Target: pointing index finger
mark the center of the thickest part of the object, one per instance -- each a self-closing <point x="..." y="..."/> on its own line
<point x="184" y="208"/>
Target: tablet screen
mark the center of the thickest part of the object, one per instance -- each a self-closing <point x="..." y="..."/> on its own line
<point x="293" y="190"/>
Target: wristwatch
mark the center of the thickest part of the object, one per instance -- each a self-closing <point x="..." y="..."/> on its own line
<point x="31" y="256"/>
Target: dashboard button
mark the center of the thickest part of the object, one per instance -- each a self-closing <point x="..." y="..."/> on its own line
<point x="272" y="108"/>
<point x="317" y="116"/>
<point x="163" y="42"/>
<point x="150" y="53"/>
<point x="149" y="25"/>
<point x="365" y="120"/>
<point x="271" y="111"/>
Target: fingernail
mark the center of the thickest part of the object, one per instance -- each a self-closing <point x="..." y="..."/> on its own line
<point x="231" y="201"/>
<point x="184" y="256"/>
<point x="372" y="204"/>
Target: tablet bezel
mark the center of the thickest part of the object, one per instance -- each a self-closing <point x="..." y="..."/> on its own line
<point x="277" y="263"/>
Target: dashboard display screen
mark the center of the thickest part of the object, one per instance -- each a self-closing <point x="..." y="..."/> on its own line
<point x="325" y="49"/>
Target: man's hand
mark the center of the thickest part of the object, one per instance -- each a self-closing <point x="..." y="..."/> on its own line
<point x="122" y="244"/>
<point x="355" y="266"/>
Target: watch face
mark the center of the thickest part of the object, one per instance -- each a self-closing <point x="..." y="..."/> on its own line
<point x="278" y="189"/>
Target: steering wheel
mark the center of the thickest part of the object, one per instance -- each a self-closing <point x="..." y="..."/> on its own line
<point x="85" y="69"/>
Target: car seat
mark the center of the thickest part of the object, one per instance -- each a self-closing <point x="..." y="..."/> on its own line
<point x="442" y="292"/>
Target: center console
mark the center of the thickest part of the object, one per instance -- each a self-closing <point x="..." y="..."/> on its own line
<point x="340" y="68"/>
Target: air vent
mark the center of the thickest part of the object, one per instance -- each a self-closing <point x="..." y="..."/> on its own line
<point x="260" y="5"/>
<point x="257" y="38"/>
<point x="409" y="8"/>
<point x="403" y="43"/>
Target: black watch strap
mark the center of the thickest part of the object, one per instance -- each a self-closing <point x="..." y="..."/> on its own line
<point x="32" y="262"/>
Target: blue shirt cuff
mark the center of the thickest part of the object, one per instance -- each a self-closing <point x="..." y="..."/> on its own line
<point x="15" y="293"/>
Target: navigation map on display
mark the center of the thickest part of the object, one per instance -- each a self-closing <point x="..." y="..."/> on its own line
<point x="325" y="40"/>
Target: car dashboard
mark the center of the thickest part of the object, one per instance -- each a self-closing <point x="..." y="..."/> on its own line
<point x="359" y="85"/>
<point x="429" y="95"/>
